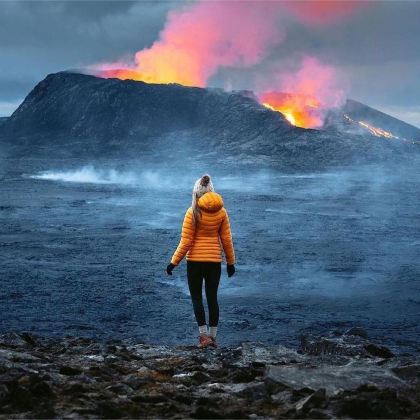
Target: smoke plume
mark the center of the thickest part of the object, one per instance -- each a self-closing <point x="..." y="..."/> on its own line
<point x="205" y="36"/>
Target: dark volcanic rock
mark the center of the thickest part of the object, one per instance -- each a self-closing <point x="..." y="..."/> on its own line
<point x="410" y="372"/>
<point x="379" y="351"/>
<point x="331" y="377"/>
<point x="354" y="342"/>
<point x="76" y="115"/>
<point x="370" y="403"/>
<point x="70" y="370"/>
<point x="121" y="380"/>
<point x="361" y="332"/>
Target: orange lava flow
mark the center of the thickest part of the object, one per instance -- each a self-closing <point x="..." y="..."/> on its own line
<point x="299" y="110"/>
<point x="376" y="131"/>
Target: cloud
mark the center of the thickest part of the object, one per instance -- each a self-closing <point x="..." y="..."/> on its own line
<point x="408" y="114"/>
<point x="41" y="37"/>
<point x="7" y="108"/>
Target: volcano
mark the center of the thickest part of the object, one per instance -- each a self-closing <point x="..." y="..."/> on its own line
<point x="70" y="115"/>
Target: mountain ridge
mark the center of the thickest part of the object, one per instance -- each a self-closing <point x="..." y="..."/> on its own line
<point x="73" y="115"/>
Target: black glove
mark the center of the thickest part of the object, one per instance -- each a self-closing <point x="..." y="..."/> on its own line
<point x="169" y="268"/>
<point x="230" y="270"/>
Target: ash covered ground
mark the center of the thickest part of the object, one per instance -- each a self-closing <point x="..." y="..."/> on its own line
<point x="84" y="247"/>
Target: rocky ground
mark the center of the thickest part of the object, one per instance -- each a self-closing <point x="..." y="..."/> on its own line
<point x="340" y="376"/>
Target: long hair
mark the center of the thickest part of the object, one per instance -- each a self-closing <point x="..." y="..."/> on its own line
<point x="201" y="186"/>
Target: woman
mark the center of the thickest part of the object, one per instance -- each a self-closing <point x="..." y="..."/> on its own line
<point x="206" y="224"/>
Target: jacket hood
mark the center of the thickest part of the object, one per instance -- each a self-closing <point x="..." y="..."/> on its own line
<point x="210" y="201"/>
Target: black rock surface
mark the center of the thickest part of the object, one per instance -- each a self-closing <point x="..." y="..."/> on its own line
<point x="78" y="377"/>
<point x="76" y="115"/>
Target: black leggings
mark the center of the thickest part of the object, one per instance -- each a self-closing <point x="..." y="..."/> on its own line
<point x="210" y="271"/>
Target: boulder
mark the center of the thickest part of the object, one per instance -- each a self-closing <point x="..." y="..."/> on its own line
<point x="332" y="378"/>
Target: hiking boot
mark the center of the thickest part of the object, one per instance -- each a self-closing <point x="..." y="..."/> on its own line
<point x="203" y="340"/>
<point x="213" y="341"/>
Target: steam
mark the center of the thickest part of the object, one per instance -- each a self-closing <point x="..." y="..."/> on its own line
<point x="91" y="175"/>
<point x="155" y="179"/>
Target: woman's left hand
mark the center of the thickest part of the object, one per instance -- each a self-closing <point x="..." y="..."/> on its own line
<point x="169" y="268"/>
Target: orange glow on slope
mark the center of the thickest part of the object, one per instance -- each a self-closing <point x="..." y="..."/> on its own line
<point x="288" y="115"/>
<point x="163" y="64"/>
<point x="299" y="110"/>
<point x="164" y="76"/>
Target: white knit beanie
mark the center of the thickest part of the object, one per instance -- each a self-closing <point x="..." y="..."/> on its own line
<point x="202" y="185"/>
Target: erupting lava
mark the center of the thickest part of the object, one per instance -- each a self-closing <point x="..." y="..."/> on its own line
<point x="287" y="114"/>
<point x="305" y="95"/>
<point x="299" y="110"/>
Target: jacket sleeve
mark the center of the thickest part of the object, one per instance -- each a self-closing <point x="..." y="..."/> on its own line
<point x="226" y="238"/>
<point x="187" y="238"/>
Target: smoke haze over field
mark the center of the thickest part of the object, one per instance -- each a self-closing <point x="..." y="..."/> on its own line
<point x="316" y="251"/>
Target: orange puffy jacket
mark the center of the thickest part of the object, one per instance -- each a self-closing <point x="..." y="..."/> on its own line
<point x="202" y="243"/>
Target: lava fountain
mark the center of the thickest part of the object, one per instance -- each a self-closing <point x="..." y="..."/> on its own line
<point x="300" y="110"/>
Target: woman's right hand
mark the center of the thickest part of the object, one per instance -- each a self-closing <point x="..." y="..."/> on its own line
<point x="230" y="269"/>
<point x="169" y="268"/>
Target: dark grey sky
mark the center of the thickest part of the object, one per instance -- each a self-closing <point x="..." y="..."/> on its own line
<point x="377" y="49"/>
